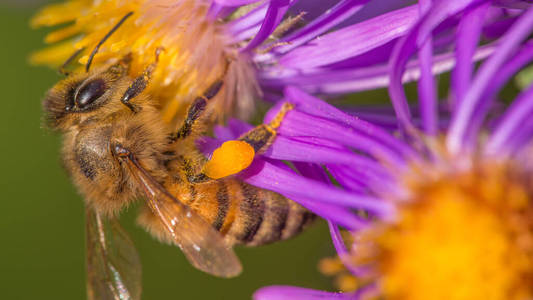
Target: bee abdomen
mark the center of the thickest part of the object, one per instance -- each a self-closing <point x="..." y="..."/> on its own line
<point x="265" y="217"/>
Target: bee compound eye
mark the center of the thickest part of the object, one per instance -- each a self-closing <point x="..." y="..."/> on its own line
<point x="90" y="92"/>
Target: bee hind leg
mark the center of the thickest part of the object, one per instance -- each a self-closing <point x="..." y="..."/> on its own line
<point x="140" y="83"/>
<point x="236" y="155"/>
<point x="195" y="111"/>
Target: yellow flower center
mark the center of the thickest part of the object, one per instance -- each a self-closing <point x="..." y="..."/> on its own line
<point x="467" y="236"/>
<point x="196" y="50"/>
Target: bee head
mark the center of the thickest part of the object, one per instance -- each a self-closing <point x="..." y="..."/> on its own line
<point x="79" y="94"/>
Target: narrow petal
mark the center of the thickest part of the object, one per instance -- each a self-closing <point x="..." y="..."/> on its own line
<point x="468" y="34"/>
<point x="281" y="292"/>
<point x="299" y="124"/>
<point x="408" y="45"/>
<point x="235" y="2"/>
<point x="351" y="41"/>
<point x="338" y="214"/>
<point x="275" y="12"/>
<point x="515" y="118"/>
<point x="249" y="20"/>
<point x="317" y="107"/>
<point x="340" y="12"/>
<point x="268" y="176"/>
<point x="426" y="86"/>
<point x="223" y="133"/>
<point x="462" y="122"/>
<point x="333" y="81"/>
<point x="316" y="151"/>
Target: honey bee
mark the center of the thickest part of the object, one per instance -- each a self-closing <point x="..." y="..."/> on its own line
<point x="117" y="149"/>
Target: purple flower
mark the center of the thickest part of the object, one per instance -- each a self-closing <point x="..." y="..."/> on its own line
<point x="447" y="190"/>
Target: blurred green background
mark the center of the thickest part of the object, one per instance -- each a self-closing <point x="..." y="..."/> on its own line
<point x="41" y="218"/>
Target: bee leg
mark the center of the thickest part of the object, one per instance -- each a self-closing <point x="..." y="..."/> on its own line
<point x="234" y="156"/>
<point x="195" y="111"/>
<point x="263" y="135"/>
<point x="140" y="83"/>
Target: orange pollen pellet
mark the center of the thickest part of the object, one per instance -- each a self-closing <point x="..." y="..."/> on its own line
<point x="230" y="158"/>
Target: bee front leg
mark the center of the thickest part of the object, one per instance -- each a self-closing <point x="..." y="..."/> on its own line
<point x="140" y="83"/>
<point x="236" y="155"/>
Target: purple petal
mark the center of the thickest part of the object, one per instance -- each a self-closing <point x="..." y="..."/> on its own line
<point x="326" y="81"/>
<point x="312" y="171"/>
<point x="238" y="127"/>
<point x="517" y="4"/>
<point x="328" y="19"/>
<point x="207" y="145"/>
<point x="223" y="133"/>
<point x="317" y="107"/>
<point x="235" y="2"/>
<point x="497" y="28"/>
<point x="250" y="20"/>
<point x="338" y="243"/>
<point x="275" y="12"/>
<point x="468" y="33"/>
<point x="268" y="176"/>
<point x="513" y="121"/>
<point x="426" y="86"/>
<point x="353" y="183"/>
<point x="337" y="240"/>
<point x="299" y="124"/>
<point x="340" y="215"/>
<point x="462" y="124"/>
<point x="281" y="292"/>
<point x="317" y="151"/>
<point x="407" y="45"/>
<point x="373" y="183"/>
<point x="511" y="67"/>
<point x="351" y="41"/>
<point x="520" y="145"/>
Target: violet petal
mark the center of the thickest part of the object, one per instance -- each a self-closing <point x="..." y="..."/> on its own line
<point x="351" y="41"/>
<point x="468" y="34"/>
<point x="265" y="175"/>
<point x="321" y="24"/>
<point x="317" y="107"/>
<point x="426" y="85"/>
<point x="306" y="150"/>
<point x="297" y="124"/>
<point x="407" y="45"/>
<point x="281" y="292"/>
<point x="326" y="81"/>
<point x="461" y="125"/>
<point x="515" y="117"/>
<point x="275" y="12"/>
<point x="235" y="2"/>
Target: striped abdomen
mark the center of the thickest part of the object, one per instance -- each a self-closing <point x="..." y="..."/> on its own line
<point x="246" y="214"/>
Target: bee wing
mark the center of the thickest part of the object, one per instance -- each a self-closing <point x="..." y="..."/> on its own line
<point x="203" y="246"/>
<point x="113" y="265"/>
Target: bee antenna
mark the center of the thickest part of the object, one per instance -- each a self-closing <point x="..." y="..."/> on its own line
<point x="95" y="50"/>
<point x="63" y="69"/>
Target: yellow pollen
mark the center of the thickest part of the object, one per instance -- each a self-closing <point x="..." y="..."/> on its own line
<point x="230" y="158"/>
<point x="467" y="236"/>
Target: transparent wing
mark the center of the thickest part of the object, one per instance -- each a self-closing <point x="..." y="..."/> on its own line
<point x="113" y="265"/>
<point x="203" y="246"/>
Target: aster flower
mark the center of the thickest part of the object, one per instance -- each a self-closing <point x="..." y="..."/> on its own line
<point x="439" y="206"/>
